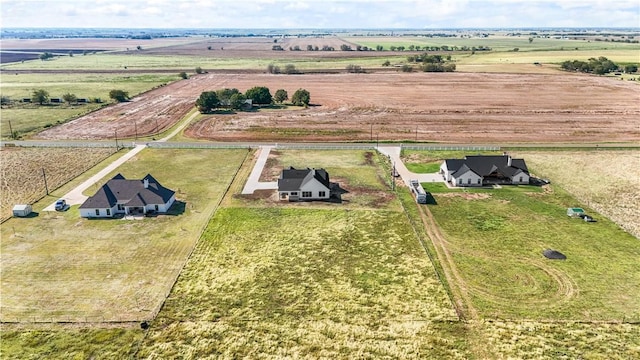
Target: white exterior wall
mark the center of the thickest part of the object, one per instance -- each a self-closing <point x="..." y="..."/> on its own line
<point x="91" y="213"/>
<point x="445" y="172"/>
<point x="516" y="178"/>
<point x="466" y="177"/>
<point x="161" y="207"/>
<point x="315" y="187"/>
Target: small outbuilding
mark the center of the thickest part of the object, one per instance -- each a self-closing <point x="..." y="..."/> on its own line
<point x="575" y="212"/>
<point x="22" y="210"/>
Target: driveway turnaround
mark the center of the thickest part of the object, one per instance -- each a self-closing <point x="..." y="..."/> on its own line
<point x="253" y="182"/>
<point x="393" y="152"/>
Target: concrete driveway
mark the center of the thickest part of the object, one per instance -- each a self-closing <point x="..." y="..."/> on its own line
<point x="253" y="182"/>
<point x="393" y="152"/>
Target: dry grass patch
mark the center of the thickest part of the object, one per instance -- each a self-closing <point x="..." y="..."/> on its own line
<point x="21" y="169"/>
<point x="273" y="282"/>
<point x="607" y="181"/>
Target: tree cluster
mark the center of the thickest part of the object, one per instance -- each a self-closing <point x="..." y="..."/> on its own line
<point x="289" y="69"/>
<point x="355" y="69"/>
<point x="235" y="100"/>
<point x="119" y="95"/>
<point x="433" y="63"/>
<point x="46" y="56"/>
<point x="599" y="66"/>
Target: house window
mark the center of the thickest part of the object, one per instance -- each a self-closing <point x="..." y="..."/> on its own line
<point x="520" y="178"/>
<point x="97" y="212"/>
<point x="120" y="207"/>
<point x="460" y="181"/>
<point x="306" y="194"/>
<point x="479" y="182"/>
<point x="108" y="212"/>
<point x="156" y="207"/>
<point x="295" y="193"/>
<point x="469" y="181"/>
<point x="322" y="194"/>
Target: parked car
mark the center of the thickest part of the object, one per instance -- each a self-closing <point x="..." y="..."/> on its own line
<point x="61" y="205"/>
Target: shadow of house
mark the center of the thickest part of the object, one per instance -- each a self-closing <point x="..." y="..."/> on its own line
<point x="178" y="208"/>
<point x="335" y="193"/>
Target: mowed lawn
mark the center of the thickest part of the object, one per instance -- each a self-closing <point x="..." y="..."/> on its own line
<point x="496" y="238"/>
<point x="60" y="267"/>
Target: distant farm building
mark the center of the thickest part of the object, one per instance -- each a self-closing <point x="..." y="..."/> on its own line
<point x="484" y="170"/>
<point x="128" y="197"/>
<point x="56" y="100"/>
<point x="82" y="100"/>
<point x="26" y="100"/>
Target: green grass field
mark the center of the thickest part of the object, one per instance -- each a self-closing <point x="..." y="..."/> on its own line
<point x="29" y="118"/>
<point x="187" y="63"/>
<point x="497" y="238"/>
<point x="60" y="267"/>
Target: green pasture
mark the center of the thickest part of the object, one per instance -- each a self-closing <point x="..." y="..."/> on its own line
<point x="32" y="118"/>
<point x="619" y="56"/>
<point x="496" y="43"/>
<point x="70" y="343"/>
<point x="293" y="282"/>
<point x="59" y="267"/>
<point x="118" y="62"/>
<point x="29" y="118"/>
<point x="497" y="237"/>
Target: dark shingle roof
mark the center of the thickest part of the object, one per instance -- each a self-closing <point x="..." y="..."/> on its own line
<point x="485" y="165"/>
<point x="119" y="190"/>
<point x="293" y="179"/>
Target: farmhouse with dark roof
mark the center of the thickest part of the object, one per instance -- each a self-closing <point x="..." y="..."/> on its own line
<point x="482" y="170"/>
<point x="304" y="184"/>
<point x="128" y="197"/>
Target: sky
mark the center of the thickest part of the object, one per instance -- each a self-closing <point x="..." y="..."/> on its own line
<point x="310" y="14"/>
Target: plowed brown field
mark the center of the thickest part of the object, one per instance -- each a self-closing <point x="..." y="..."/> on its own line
<point x="442" y="107"/>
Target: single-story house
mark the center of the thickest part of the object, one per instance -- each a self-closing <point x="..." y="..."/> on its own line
<point x="128" y="197"/>
<point x="304" y="184"/>
<point x="482" y="170"/>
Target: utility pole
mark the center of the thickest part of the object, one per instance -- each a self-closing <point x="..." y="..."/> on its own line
<point x="135" y="125"/>
<point x="115" y="132"/>
<point x="416" y="133"/>
<point x="371" y="131"/>
<point x="44" y="176"/>
<point x="377" y="140"/>
<point x="11" y="131"/>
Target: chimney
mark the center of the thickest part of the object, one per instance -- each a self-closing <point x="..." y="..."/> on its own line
<point x="508" y="160"/>
<point x="146" y="183"/>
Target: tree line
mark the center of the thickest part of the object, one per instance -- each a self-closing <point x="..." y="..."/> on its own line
<point x="345" y="47"/>
<point x="259" y="95"/>
<point x="599" y="66"/>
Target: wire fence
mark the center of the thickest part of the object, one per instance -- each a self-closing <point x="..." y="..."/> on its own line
<point x="284" y="146"/>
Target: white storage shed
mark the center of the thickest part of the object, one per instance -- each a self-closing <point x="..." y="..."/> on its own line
<point x="22" y="210"/>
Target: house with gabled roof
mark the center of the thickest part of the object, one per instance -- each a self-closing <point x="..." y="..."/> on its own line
<point x="128" y="197"/>
<point x="304" y="184"/>
<point x="483" y="170"/>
